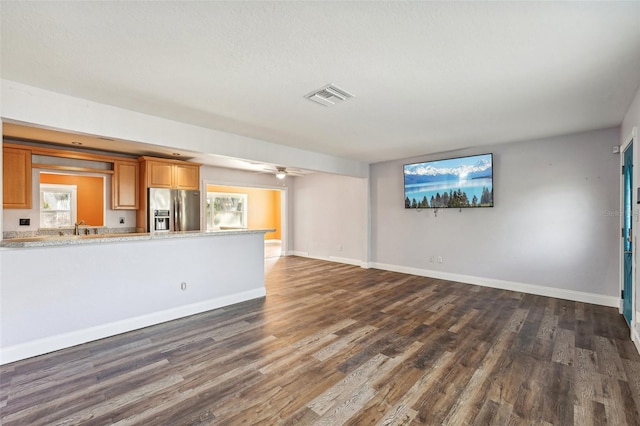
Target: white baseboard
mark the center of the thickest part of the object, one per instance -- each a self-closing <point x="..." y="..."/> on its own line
<point x="635" y="337"/>
<point x="576" y="296"/>
<point x="558" y="293"/>
<point x="66" y="340"/>
<point x="348" y="261"/>
<point x="336" y="259"/>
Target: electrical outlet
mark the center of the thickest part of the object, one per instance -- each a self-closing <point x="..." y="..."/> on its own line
<point x="183" y="286"/>
<point x="25" y="222"/>
<point x="122" y="220"/>
<point x="432" y="259"/>
<point x="439" y="259"/>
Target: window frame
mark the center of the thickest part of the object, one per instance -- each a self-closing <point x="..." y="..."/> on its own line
<point x="73" y="202"/>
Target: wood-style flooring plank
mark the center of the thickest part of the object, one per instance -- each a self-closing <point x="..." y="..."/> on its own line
<point x="337" y="344"/>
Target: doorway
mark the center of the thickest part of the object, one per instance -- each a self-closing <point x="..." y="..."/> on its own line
<point x="249" y="207"/>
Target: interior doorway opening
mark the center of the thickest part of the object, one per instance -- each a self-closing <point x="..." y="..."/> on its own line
<point x="238" y="207"/>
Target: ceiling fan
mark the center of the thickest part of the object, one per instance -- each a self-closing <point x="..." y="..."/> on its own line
<point x="282" y="172"/>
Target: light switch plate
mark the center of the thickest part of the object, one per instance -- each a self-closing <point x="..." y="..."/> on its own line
<point x="25" y="222"/>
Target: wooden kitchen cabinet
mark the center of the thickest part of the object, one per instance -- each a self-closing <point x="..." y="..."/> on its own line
<point x="125" y="185"/>
<point x="16" y="178"/>
<point x="161" y="173"/>
<point x="186" y="176"/>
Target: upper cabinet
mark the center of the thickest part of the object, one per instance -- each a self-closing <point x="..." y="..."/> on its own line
<point x="16" y="180"/>
<point x="161" y="173"/>
<point x="187" y="176"/>
<point x="125" y="185"/>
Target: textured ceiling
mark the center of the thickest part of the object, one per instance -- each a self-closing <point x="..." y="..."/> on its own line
<point x="427" y="76"/>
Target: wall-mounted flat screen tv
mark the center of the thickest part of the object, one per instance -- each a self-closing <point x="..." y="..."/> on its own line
<point x="453" y="182"/>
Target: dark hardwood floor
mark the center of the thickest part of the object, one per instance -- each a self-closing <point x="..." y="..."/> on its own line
<point x="336" y="344"/>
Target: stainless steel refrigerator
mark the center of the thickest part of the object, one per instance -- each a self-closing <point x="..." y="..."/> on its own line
<point x="173" y="210"/>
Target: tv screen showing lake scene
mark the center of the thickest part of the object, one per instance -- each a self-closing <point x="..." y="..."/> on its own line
<point x="454" y="182"/>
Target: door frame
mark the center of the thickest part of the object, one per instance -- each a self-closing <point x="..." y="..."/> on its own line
<point x="632" y="137"/>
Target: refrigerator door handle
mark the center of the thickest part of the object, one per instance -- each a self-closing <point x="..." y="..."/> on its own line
<point x="178" y="214"/>
<point x="175" y="214"/>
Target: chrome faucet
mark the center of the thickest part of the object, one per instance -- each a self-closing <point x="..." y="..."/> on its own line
<point x="76" y="230"/>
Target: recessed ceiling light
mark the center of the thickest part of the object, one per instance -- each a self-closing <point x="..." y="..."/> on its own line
<point x="76" y="143"/>
<point x="106" y="139"/>
<point x="176" y="154"/>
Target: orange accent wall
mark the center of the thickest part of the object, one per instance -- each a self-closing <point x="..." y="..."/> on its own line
<point x="263" y="207"/>
<point x="277" y="202"/>
<point x="90" y="195"/>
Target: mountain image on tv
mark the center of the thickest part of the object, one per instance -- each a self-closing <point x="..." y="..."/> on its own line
<point x="454" y="182"/>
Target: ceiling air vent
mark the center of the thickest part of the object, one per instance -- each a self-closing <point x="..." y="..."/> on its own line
<point x="328" y="95"/>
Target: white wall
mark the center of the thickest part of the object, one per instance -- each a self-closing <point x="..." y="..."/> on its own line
<point x="632" y="117"/>
<point x="56" y="297"/>
<point x="330" y="218"/>
<point x="554" y="228"/>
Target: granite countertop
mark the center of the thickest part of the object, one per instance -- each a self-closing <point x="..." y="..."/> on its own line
<point x="67" y="240"/>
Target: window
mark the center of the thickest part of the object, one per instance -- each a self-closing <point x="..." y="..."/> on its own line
<point x="226" y="210"/>
<point x="58" y="205"/>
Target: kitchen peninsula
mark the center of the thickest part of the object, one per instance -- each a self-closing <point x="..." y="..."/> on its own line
<point x="110" y="284"/>
<point x="67" y="240"/>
